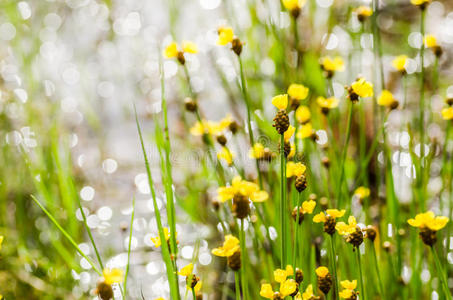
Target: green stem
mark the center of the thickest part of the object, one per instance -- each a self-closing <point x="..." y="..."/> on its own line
<point x="296" y="232"/>
<point x="282" y="201"/>
<point x="359" y="263"/>
<point x="194" y="296"/>
<point x="343" y="157"/>
<point x="237" y="286"/>
<point x="334" y="264"/>
<point x="441" y="274"/>
<point x="378" y="274"/>
<point x="422" y="112"/>
<point x="129" y="247"/>
<point x="243" y="257"/>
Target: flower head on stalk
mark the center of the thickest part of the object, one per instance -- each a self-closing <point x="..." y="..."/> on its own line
<point x="306" y="208"/>
<point x="352" y="232"/>
<point x="400" y="63"/>
<point x="294" y="6"/>
<point x="386" y="99"/>
<point x="226" y="155"/>
<point x="326" y="104"/>
<point x="281" y="119"/>
<point x="360" y="88"/>
<point x="447" y="113"/>
<point x="231" y="250"/>
<point x="422" y="4"/>
<point x="288" y="287"/>
<point x="363" y="12"/>
<point x="349" y="292"/>
<point x="303" y="114"/>
<point x="110" y="276"/>
<point x="428" y="224"/>
<point x="226" y="36"/>
<point x="361" y="193"/>
<point x="297" y="93"/>
<point x="329" y="219"/>
<point x="156" y="240"/>
<point x="331" y="65"/>
<point x="308" y="294"/>
<point x="241" y="192"/>
<point x="173" y="50"/>
<point x="431" y="43"/>
<point x="192" y="281"/>
<point x="258" y="151"/>
<point x="306" y="131"/>
<point x="324" y="279"/>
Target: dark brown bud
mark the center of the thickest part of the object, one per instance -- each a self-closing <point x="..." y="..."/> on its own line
<point x="329" y="225"/>
<point x="298" y="213"/>
<point x="104" y="291"/>
<point x="234" y="261"/>
<point x="370" y="233"/>
<point x="236" y="46"/>
<point x="281" y="121"/>
<point x="325" y="110"/>
<point x="324" y="202"/>
<point x="437" y="50"/>
<point x="234" y="127"/>
<point x="124" y="226"/>
<point x="394" y="105"/>
<point x="387" y="246"/>
<point x="190" y="104"/>
<point x="221" y="139"/>
<point x="325" y="283"/>
<point x="268" y="155"/>
<point x="326" y="161"/>
<point x="181" y="58"/>
<point x="299" y="277"/>
<point x="294" y="103"/>
<point x="351" y="94"/>
<point x="355" y="238"/>
<point x="449" y="101"/>
<point x="199" y="296"/>
<point x="428" y="236"/>
<point x="192" y="280"/>
<point x="295" y="12"/>
<point x="277" y="296"/>
<point x="353" y="295"/>
<point x="215" y="204"/>
<point x="241" y="206"/>
<point x="300" y="183"/>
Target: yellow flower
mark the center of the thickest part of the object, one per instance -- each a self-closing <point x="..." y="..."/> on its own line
<point x="156" y="240"/>
<point x="428" y="220"/>
<point x="430" y="41"/>
<point x="226" y="35"/>
<point x="345" y="229"/>
<point x="226" y="155"/>
<point x="292" y="152"/>
<point x="210" y="127"/>
<point x="350" y="285"/>
<point x="280" y="101"/>
<point x="328" y="103"/>
<point x="112" y="276"/>
<point x="242" y="187"/>
<point x="266" y="291"/>
<point x="308" y="294"/>
<point x="293" y="4"/>
<point x="230" y="246"/>
<point x="305" y="131"/>
<point x="322" y="271"/>
<point x="362" y="192"/>
<point x="298" y="91"/>
<point x="257" y="151"/>
<point x="281" y="275"/>
<point x="308" y="206"/>
<point x="333" y="213"/>
<point x="420" y="2"/>
<point x="362" y="88"/>
<point x="186" y="271"/>
<point x="303" y="114"/>
<point x="399" y="63"/>
<point x="160" y="298"/>
<point x="364" y="11"/>
<point x="345" y="294"/>
<point x="289" y="133"/>
<point x="197" y="287"/>
<point x="447" y="113"/>
<point x="386" y="98"/>
<point x="288" y="287"/>
<point x="332" y="64"/>
<point x="295" y="169"/>
<point x="189" y="47"/>
<point x="171" y="50"/>
<point x="1" y="241"/>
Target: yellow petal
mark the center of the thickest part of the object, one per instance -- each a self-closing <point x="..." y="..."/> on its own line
<point x="171" y="50"/>
<point x="399" y="63"/>
<point x="305" y="131"/>
<point x="112" y="276"/>
<point x="197" y="287"/>
<point x="322" y="271"/>
<point x="308" y="294"/>
<point x="189" y="47"/>
<point x="226" y="35"/>
<point x="335" y="213"/>
<point x="386" y="98"/>
<point x="259" y="196"/>
<point x="303" y="114"/>
<point x="320" y="217"/>
<point x="280" y="101"/>
<point x="447" y="113"/>
<point x="280" y="275"/>
<point x="288" y="287"/>
<point x="308" y="206"/>
<point x="289" y="270"/>
<point x="289" y="133"/>
<point x="333" y="65"/>
<point x="351" y="285"/>
<point x="298" y="91"/>
<point x="186" y="271"/>
<point x="362" y="88"/>
<point x="345" y="294"/>
<point x="266" y="291"/>
<point x="257" y="151"/>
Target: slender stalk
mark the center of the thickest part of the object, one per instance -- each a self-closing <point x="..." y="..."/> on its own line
<point x="333" y="258"/>
<point x="359" y="263"/>
<point x="378" y="273"/>
<point x="282" y="201"/>
<point x="237" y="286"/>
<point x="441" y="274"/>
<point x="296" y="232"/>
<point x="343" y="157"/>
<point x="422" y="112"/>
<point x="243" y="257"/>
<point x="129" y="247"/>
<point x="194" y="296"/>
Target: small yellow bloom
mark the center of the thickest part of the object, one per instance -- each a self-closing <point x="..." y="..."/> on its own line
<point x="350" y="285"/>
<point x="230" y="246"/>
<point x="334" y="213"/>
<point x="156" y="240"/>
<point x="257" y="151"/>
<point x="345" y="229"/>
<point x="345" y="294"/>
<point x="420" y="2"/>
<point x="447" y="113"/>
<point x="293" y="4"/>
<point x="308" y="206"/>
<point x="186" y="271"/>
<point x="362" y="192"/>
<point x="112" y="276"/>
<point x="332" y="64"/>
<point x="429" y="220"/>
<point x="364" y="11"/>
<point x="280" y="275"/>
<point x="244" y="188"/>
<point x="280" y="101"/>
<point x="362" y="88"/>
<point x="171" y="50"/>
<point x="430" y="41"/>
<point x="266" y="291"/>
<point x="308" y="294"/>
<point x="328" y="103"/>
<point x="386" y="99"/>
<point x="303" y="114"/>
<point x="1" y="241"/>
<point x="295" y="169"/>
<point x="322" y="271"/>
<point x="226" y="155"/>
<point x="400" y="62"/>
<point x="305" y="131"/>
<point x="226" y="35"/>
<point x="298" y="91"/>
<point x="189" y="47"/>
<point x="160" y="298"/>
<point x="197" y="287"/>
<point x="288" y="287"/>
<point x="289" y="133"/>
